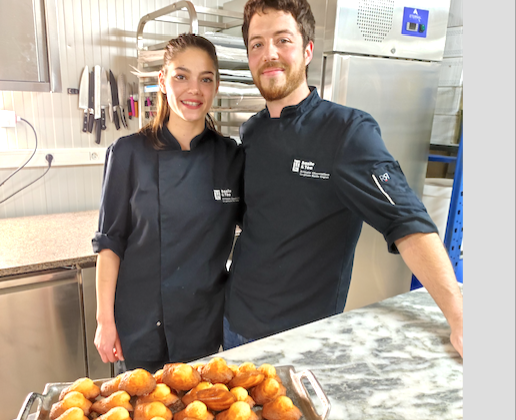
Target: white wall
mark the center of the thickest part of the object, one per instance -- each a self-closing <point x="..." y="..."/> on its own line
<point x="91" y="32"/>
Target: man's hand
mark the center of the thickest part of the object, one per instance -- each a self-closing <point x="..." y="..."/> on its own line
<point x="425" y="255"/>
<point x="108" y="343"/>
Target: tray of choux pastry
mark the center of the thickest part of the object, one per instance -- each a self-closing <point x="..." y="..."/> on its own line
<point x="213" y="390"/>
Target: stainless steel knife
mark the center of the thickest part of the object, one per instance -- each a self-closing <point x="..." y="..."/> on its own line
<point x="122" y="97"/>
<point x="104" y="97"/>
<point x="114" y="99"/>
<point x="96" y="106"/>
<point x="83" y="96"/>
<point x="91" y="101"/>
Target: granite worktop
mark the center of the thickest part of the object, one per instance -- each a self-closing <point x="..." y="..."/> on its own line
<point x="38" y="243"/>
<point x="389" y="360"/>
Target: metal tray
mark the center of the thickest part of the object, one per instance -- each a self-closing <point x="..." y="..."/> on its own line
<point x="291" y="379"/>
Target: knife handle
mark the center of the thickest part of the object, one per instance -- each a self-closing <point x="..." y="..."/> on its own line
<point x="122" y="117"/>
<point x="136" y="109"/>
<point x="103" y="118"/>
<point x="115" y="118"/>
<point x="129" y="109"/>
<point x="91" y="118"/>
<point x="133" y="113"/>
<point x="98" y="128"/>
<point x="85" y="122"/>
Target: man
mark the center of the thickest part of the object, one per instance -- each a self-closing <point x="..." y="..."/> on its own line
<point x="315" y="170"/>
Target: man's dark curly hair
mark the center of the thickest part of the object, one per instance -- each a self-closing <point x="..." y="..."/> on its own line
<point x="299" y="9"/>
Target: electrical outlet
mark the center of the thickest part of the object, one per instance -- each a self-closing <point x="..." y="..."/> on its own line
<point x="7" y="118"/>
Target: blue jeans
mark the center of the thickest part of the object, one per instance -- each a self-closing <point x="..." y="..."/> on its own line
<point x="232" y="339"/>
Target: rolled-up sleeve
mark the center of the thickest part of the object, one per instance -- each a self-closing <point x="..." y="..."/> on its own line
<point x="371" y="184"/>
<point x="114" y="214"/>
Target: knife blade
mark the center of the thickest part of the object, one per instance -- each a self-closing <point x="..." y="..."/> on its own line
<point x="83" y="96"/>
<point x="121" y="98"/>
<point x="91" y="100"/>
<point x="104" y="97"/>
<point x="96" y="106"/>
<point x="114" y="99"/>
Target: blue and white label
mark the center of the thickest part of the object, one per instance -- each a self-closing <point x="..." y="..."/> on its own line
<point x="415" y="22"/>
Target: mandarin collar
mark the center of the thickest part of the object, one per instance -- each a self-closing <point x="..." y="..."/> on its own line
<point x="171" y="142"/>
<point x="292" y="110"/>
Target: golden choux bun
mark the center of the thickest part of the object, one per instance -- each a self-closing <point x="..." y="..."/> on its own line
<point x="238" y="411"/>
<point x="216" y="398"/>
<point x="74" y="413"/>
<point x="161" y="393"/>
<point x="267" y="390"/>
<point x="147" y="411"/>
<point x="137" y="382"/>
<point x="269" y="371"/>
<point x="192" y="394"/>
<point x="217" y="371"/>
<point x="159" y="376"/>
<point x="241" y="394"/>
<point x="108" y="387"/>
<point x="247" y="376"/>
<point x="195" y="410"/>
<point x="281" y="408"/>
<point x="116" y="413"/>
<point x="83" y="385"/>
<point x="180" y="376"/>
<point x="116" y="399"/>
<point x="72" y="399"/>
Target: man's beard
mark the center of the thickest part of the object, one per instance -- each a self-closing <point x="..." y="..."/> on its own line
<point x="274" y="90"/>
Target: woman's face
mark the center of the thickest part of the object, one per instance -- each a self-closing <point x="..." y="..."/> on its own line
<point x="190" y="84"/>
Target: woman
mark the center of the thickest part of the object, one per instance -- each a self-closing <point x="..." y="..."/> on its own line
<point x="169" y="205"/>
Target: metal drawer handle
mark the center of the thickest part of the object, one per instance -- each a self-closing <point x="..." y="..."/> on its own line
<point x="296" y="379"/>
<point x="27" y="405"/>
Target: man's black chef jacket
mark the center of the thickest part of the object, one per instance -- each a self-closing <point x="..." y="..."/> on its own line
<point x="170" y="217"/>
<point x="311" y="177"/>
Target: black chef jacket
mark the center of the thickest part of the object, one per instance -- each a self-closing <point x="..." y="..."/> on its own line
<point x="170" y="216"/>
<point x="311" y="177"/>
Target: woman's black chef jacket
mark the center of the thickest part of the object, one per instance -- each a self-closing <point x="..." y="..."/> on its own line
<point x="170" y="217"/>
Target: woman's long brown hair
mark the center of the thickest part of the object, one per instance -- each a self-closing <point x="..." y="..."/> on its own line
<point x="174" y="47"/>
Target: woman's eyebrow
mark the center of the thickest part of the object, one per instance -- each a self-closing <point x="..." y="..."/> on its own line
<point x="187" y="70"/>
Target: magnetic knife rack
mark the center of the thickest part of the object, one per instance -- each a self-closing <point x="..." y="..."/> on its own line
<point x="238" y="98"/>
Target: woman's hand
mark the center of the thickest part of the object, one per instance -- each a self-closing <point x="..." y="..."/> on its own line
<point x="108" y="342"/>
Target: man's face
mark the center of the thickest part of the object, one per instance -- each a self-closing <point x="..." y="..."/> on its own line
<point x="277" y="58"/>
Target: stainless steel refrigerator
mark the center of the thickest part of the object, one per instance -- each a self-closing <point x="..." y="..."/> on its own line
<point x="383" y="57"/>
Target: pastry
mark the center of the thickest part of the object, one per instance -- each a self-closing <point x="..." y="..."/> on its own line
<point x="72" y="399"/>
<point x="239" y="410"/>
<point x="108" y="387"/>
<point x="116" y="413"/>
<point x="83" y="385"/>
<point x="241" y="394"/>
<point x="116" y="399"/>
<point x="281" y="408"/>
<point x="161" y="393"/>
<point x="147" y="411"/>
<point x="216" y="398"/>
<point x="192" y="394"/>
<point x="137" y="382"/>
<point x="74" y="413"/>
<point x="159" y="376"/>
<point x="216" y="371"/>
<point x="269" y="371"/>
<point x="247" y="376"/>
<point x="267" y="390"/>
<point x="195" y="410"/>
<point x="180" y="376"/>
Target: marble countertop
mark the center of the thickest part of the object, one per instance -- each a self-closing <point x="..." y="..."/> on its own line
<point x="390" y="360"/>
<point x="36" y="243"/>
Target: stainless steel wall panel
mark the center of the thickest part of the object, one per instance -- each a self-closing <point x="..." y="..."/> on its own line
<point x="344" y="32"/>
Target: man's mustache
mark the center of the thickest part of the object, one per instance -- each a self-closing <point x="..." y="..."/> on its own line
<point x="272" y="64"/>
